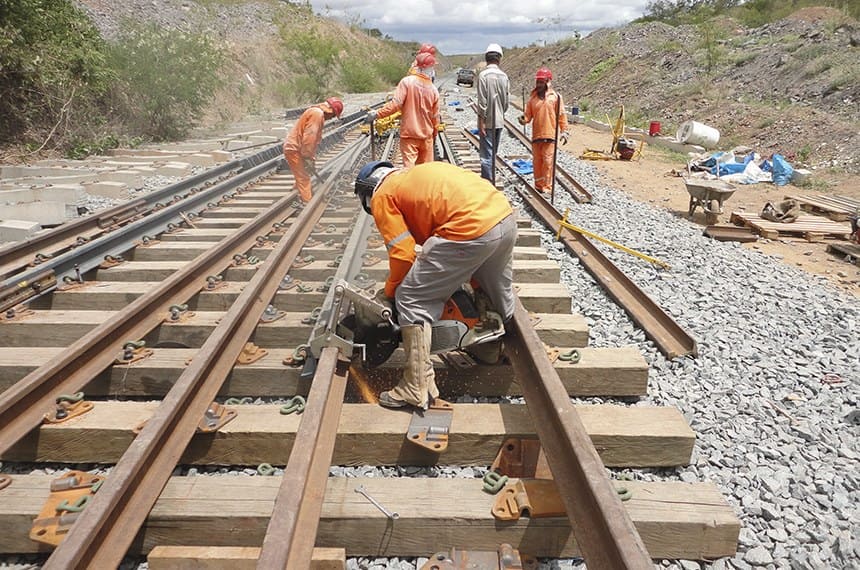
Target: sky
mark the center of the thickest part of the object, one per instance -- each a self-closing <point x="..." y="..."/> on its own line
<point x="462" y="26"/>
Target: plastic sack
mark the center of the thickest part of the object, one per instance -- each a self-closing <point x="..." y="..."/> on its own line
<point x="522" y="166"/>
<point x="782" y="170"/>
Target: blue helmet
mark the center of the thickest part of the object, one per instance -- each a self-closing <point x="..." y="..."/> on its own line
<point x="369" y="178"/>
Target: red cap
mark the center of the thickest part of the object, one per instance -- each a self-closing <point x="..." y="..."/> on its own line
<point x="336" y="105"/>
<point x="427" y="48"/>
<point x="543" y="73"/>
<point x="424" y="60"/>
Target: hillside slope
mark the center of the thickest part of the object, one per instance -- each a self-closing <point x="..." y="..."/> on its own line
<point x="261" y="65"/>
<point x="791" y="86"/>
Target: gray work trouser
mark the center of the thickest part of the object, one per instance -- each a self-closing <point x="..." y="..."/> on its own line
<point x="488" y="149"/>
<point x="444" y="265"/>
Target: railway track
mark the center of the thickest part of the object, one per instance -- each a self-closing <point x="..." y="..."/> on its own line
<point x="270" y="284"/>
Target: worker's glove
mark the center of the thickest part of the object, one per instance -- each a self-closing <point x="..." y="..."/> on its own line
<point x="384" y="300"/>
<point x="563" y="138"/>
<point x="522" y="120"/>
<point x="370" y="117"/>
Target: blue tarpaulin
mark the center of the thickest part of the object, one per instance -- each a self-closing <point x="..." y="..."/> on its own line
<point x="522" y="166"/>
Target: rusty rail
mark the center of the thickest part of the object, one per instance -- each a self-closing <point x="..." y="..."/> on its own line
<point x="670" y="338"/>
<point x="292" y="529"/>
<point x="603" y="529"/>
<point x="103" y="534"/>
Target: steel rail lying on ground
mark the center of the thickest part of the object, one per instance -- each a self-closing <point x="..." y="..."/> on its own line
<point x="670" y="338"/>
<point x="103" y="533"/>
<point x="603" y="529"/>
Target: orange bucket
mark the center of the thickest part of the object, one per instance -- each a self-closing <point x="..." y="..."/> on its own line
<point x="654" y="129"/>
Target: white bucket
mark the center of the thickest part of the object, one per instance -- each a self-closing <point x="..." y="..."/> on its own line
<point x="692" y="132"/>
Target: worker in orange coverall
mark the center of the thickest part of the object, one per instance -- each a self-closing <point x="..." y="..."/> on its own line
<point x="466" y="229"/>
<point x="544" y="108"/>
<point x="418" y="100"/>
<point x="300" y="146"/>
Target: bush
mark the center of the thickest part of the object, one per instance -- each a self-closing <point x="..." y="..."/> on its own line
<point x="357" y="77"/>
<point x="165" y="78"/>
<point x="315" y="57"/>
<point x="52" y="63"/>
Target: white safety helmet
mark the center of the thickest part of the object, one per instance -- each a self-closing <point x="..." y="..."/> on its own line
<point x="494" y="48"/>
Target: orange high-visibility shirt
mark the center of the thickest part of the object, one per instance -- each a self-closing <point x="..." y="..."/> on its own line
<point x="435" y="198"/>
<point x="306" y="134"/>
<point x="542" y="114"/>
<point x="418" y="99"/>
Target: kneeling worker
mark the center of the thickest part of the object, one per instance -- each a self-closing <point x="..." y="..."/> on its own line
<point x="300" y="146"/>
<point x="466" y="229"/>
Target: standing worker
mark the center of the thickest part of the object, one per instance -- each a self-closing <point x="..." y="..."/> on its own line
<point x="418" y="100"/>
<point x="546" y="108"/>
<point x="493" y="98"/>
<point x="466" y="229"/>
<point x="300" y="146"/>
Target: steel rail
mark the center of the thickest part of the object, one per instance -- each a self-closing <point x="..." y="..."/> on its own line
<point x="103" y="533"/>
<point x="603" y="529"/>
<point x="23" y="405"/>
<point x="292" y="530"/>
<point x="584" y="195"/>
<point x="118" y="228"/>
<point x="670" y="338"/>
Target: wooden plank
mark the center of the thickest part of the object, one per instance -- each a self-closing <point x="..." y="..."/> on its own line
<point x="231" y="558"/>
<point x="674" y="519"/>
<point x="61" y="328"/>
<point x="838" y="208"/>
<point x="367" y="435"/>
<point x="186" y="251"/>
<point x="525" y="271"/>
<point x="849" y="250"/>
<point x="114" y="295"/>
<point x="804" y="224"/>
<point x="600" y="372"/>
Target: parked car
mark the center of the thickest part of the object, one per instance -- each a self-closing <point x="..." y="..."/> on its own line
<point x="466" y="77"/>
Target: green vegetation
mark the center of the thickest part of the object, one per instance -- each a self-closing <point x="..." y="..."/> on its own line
<point x="52" y="68"/>
<point x="601" y="69"/>
<point x="165" y="78"/>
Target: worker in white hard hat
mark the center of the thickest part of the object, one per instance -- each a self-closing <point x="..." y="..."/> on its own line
<point x="493" y="98"/>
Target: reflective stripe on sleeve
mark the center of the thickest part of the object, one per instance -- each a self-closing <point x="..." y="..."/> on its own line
<point x="397" y="239"/>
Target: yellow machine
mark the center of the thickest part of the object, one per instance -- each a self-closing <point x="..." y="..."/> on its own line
<point x="623" y="144"/>
<point x="383" y="125"/>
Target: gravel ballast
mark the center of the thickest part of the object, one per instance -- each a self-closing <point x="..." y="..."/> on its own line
<point x="772" y="395"/>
